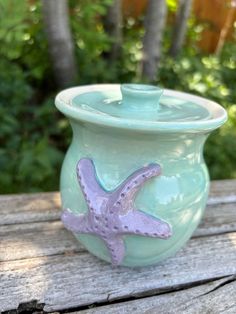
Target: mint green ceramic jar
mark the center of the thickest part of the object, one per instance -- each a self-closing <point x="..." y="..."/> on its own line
<point x="121" y="133"/>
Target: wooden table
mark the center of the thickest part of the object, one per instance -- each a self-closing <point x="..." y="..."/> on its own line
<point x="42" y="267"/>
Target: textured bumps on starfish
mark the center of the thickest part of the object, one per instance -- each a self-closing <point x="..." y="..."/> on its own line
<point x="111" y="215"/>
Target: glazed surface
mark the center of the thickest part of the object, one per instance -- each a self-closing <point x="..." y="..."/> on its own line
<point x="210" y="117"/>
<point x="177" y="196"/>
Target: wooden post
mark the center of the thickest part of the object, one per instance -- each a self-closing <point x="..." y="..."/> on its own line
<point x="113" y="27"/>
<point x="55" y="13"/>
<point x="180" y="26"/>
<point x="225" y="30"/>
<point x="154" y="25"/>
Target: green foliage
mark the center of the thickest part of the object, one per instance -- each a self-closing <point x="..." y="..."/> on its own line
<point x="30" y="157"/>
<point x="34" y="136"/>
<point x="210" y="77"/>
<point x="91" y="41"/>
<point x="11" y="28"/>
<point x="30" y="152"/>
<point x="22" y="38"/>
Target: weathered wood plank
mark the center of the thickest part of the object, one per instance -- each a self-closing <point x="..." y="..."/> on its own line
<point x="63" y="282"/>
<point x="222" y="188"/>
<point x="215" y="297"/>
<point x="30" y="229"/>
<point x="36" y="239"/>
<point x="219" y="301"/>
<point x="16" y="209"/>
<point x="218" y="219"/>
<point x="46" y="206"/>
<point x="50" y="238"/>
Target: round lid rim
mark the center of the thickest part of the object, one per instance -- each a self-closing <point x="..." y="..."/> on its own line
<point x="64" y="98"/>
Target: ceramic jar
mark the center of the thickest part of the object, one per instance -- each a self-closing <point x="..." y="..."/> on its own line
<point x="134" y="183"/>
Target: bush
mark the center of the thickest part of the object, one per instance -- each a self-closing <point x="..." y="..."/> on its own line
<point x="213" y="78"/>
<point x="34" y="136"/>
<point x="30" y="154"/>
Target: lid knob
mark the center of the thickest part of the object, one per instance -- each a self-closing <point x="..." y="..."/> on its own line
<point x="140" y="98"/>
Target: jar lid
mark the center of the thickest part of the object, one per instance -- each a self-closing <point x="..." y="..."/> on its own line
<point x="140" y="107"/>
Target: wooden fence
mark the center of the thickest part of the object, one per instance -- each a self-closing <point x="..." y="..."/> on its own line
<point x="218" y="17"/>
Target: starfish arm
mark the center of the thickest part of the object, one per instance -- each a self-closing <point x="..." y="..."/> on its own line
<point x="75" y="223"/>
<point x="116" y="248"/>
<point x="138" y="222"/>
<point x="87" y="178"/>
<point x="125" y="193"/>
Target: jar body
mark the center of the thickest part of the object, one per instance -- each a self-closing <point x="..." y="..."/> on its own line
<point x="178" y="196"/>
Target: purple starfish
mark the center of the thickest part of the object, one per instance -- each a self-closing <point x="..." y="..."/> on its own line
<point x="112" y="214"/>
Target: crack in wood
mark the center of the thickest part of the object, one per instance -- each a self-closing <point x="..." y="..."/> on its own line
<point x="217" y="258"/>
<point x="147" y="295"/>
<point x="66" y="253"/>
<point x="30" y="222"/>
<point x="27" y="308"/>
<point x="197" y="236"/>
<point x="34" y="306"/>
<point x="228" y="280"/>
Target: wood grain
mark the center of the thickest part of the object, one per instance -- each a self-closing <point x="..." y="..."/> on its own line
<point x="68" y="281"/>
<point x="47" y="238"/>
<point x="194" y="300"/>
<point x="218" y="219"/>
<point x="16" y="209"/>
<point x="36" y="239"/>
<point x="222" y="191"/>
<point x="40" y="261"/>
